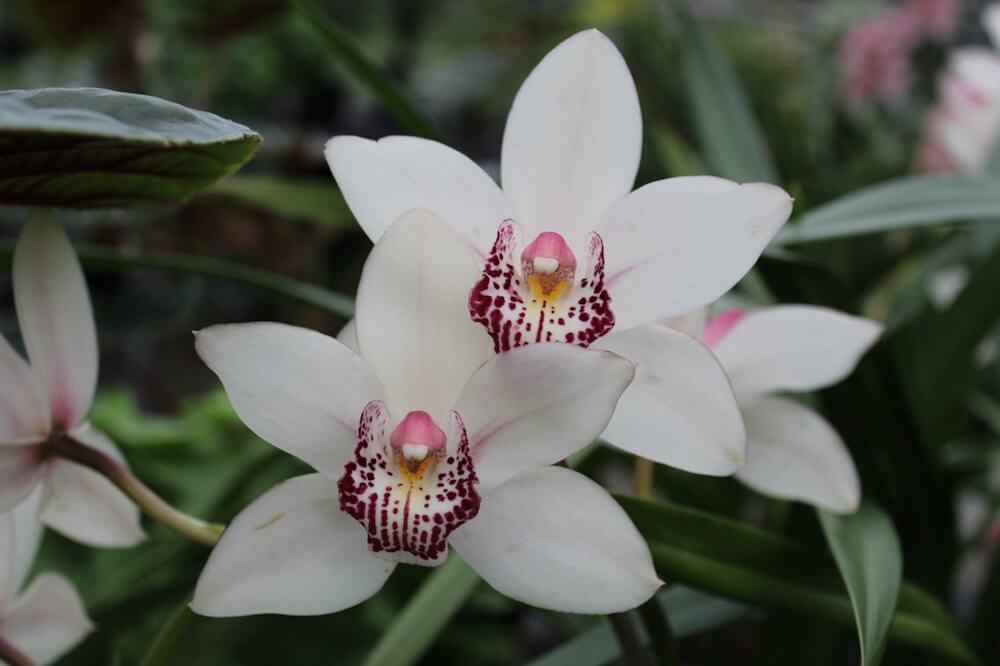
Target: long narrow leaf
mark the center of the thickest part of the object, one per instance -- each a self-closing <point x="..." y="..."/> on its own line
<point x="866" y="549"/>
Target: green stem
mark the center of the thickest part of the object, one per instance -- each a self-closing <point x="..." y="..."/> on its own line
<point x="11" y="655"/>
<point x="661" y="636"/>
<point x="169" y="636"/>
<point x="94" y="256"/>
<point x="187" y="526"/>
<point x="628" y="638"/>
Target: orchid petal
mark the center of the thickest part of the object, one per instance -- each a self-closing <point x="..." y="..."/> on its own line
<point x="991" y="22"/>
<point x="48" y="620"/>
<point x="535" y="405"/>
<point x="678" y="244"/>
<point x="680" y="410"/>
<point x="27" y="536"/>
<point x="297" y="389"/>
<point x="381" y="180"/>
<point x="793" y="453"/>
<point x="24" y="409"/>
<point x="573" y="139"/>
<point x="22" y="468"/>
<point x="292" y="552"/>
<point x="413" y="324"/>
<point x="348" y="336"/>
<point x="793" y="348"/>
<point x="554" y="539"/>
<point x="57" y="323"/>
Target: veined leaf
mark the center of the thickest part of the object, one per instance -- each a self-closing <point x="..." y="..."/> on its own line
<point x="917" y="201"/>
<point x="95" y="148"/>
<point x="726" y="127"/>
<point x="315" y="200"/>
<point x="747" y="564"/>
<point x="866" y="549"/>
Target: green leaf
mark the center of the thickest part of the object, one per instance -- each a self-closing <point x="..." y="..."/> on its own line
<point x="690" y="611"/>
<point x="96" y="257"/>
<point x="316" y="201"/>
<point x="747" y="564"/>
<point x="425" y="615"/>
<point x="867" y="552"/>
<point x="94" y="148"/>
<point x="395" y="98"/>
<point x="917" y="201"/>
<point x="726" y="127"/>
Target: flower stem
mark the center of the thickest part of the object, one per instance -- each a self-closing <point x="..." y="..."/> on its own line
<point x="644" y="471"/>
<point x="187" y="526"/>
<point x="628" y="638"/>
<point x="11" y="655"/>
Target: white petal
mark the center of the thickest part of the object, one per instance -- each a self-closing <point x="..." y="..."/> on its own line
<point x="413" y="323"/>
<point x="383" y="179"/>
<point x="793" y="348"/>
<point x="27" y="535"/>
<point x="348" y="336"/>
<point x="554" y="539"/>
<point x="53" y="309"/>
<point x="680" y="410"/>
<point x="300" y="390"/>
<point x="573" y="138"/>
<point x="991" y="21"/>
<point x="21" y="470"/>
<point x="48" y="621"/>
<point x="24" y="409"/>
<point x="535" y="405"/>
<point x="793" y="453"/>
<point x="291" y="552"/>
<point x="692" y="323"/>
<point x="84" y="506"/>
<point x="678" y="244"/>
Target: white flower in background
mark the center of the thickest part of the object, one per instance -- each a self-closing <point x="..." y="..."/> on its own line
<point x="792" y="452"/>
<point x="421" y="439"/>
<point x="48" y="618"/>
<point x="963" y="129"/>
<point x="54" y="394"/>
<point x="570" y="155"/>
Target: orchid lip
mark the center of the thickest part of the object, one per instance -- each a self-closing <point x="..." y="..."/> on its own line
<point x="410" y="489"/>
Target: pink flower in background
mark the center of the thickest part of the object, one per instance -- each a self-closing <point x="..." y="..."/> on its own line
<point x="875" y="54"/>
<point x="46" y="619"/>
<point x="962" y="130"/>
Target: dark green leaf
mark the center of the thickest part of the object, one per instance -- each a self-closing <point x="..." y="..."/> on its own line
<point x="917" y="201"/>
<point x="726" y="127"/>
<point x="747" y="564"/>
<point x="866" y="549"/>
<point x="94" y="148"/>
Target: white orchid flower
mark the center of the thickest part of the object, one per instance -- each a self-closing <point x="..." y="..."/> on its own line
<point x="418" y="444"/>
<point x="963" y="129"/>
<point x="48" y="618"/>
<point x="792" y="452"/>
<point x="52" y="396"/>
<point x="570" y="155"/>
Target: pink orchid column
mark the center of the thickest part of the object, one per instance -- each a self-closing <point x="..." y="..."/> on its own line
<point x="51" y="396"/>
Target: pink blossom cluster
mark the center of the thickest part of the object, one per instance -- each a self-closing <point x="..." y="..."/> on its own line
<point x="875" y="53"/>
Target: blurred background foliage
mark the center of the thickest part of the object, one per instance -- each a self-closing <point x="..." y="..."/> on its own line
<point x="921" y="414"/>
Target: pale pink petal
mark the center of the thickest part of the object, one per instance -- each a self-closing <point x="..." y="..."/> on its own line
<point x="793" y="453"/>
<point x="48" y="621"/>
<point x="691" y="324"/>
<point x="297" y="389"/>
<point x="678" y="244"/>
<point x="720" y="325"/>
<point x="291" y="552"/>
<point x="82" y="505"/>
<point x="536" y="405"/>
<point x="383" y="179"/>
<point x="348" y="336"/>
<point x="793" y="348"/>
<point x="413" y="324"/>
<point x="24" y="410"/>
<point x="680" y="410"/>
<point x="573" y="138"/>
<point x="21" y="470"/>
<point x="57" y="324"/>
<point x="27" y="535"/>
<point x="554" y="539"/>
